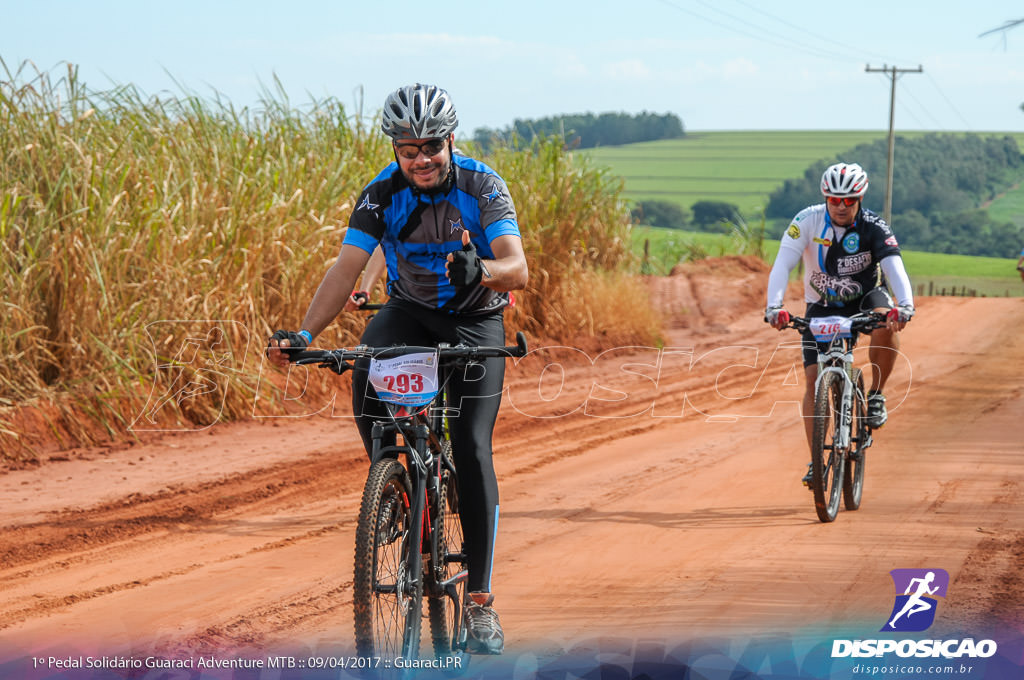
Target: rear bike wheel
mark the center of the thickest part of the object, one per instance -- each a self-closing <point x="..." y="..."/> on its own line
<point x="826" y="460"/>
<point x="444" y="614"/>
<point x="387" y="599"/>
<point x="853" y="480"/>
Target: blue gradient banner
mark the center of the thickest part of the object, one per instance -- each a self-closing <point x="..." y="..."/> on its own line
<point x="757" y="657"/>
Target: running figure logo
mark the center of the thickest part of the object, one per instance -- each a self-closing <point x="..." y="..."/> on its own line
<point x="914" y="610"/>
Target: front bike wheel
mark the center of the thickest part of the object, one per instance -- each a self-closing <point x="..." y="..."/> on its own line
<point x="853" y="480"/>
<point x="387" y="599"/>
<point x="449" y="566"/>
<point x="826" y="460"/>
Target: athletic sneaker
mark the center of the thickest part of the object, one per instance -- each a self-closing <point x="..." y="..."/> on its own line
<point x="806" y="481"/>
<point x="483" y="630"/>
<point x="877" y="415"/>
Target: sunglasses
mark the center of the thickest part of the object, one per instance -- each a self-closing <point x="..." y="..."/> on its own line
<point x="835" y="200"/>
<point x="429" y="148"/>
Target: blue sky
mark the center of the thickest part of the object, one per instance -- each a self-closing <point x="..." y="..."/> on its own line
<point x="718" y="64"/>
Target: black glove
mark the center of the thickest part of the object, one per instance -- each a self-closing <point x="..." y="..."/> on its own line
<point x="465" y="268"/>
<point x="296" y="341"/>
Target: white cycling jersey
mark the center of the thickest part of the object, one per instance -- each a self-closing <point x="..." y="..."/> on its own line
<point x="841" y="264"/>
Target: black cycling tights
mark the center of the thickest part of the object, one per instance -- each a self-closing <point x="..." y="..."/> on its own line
<point x="475" y="392"/>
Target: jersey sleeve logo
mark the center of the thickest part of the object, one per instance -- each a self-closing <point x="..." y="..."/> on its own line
<point x="793" y="232"/>
<point x="366" y="205"/>
<point x="494" y="193"/>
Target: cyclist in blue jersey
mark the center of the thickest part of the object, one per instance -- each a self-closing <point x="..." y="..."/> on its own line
<point x="451" y="244"/>
<point x="843" y="246"/>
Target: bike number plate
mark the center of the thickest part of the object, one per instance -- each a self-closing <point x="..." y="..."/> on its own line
<point x="827" y="327"/>
<point x="409" y="380"/>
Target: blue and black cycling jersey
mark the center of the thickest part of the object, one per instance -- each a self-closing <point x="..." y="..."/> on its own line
<point x="418" y="230"/>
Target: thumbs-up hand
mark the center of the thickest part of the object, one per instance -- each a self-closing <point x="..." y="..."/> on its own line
<point x="464" y="267"/>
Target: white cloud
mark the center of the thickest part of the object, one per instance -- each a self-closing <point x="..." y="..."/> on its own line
<point x="739" y="68"/>
<point x="628" y="69"/>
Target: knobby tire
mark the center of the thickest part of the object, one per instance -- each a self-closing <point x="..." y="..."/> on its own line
<point x="826" y="462"/>
<point x="387" y="608"/>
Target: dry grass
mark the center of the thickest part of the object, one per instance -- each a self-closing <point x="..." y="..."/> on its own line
<point x="148" y="246"/>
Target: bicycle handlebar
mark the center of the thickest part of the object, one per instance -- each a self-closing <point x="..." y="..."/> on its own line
<point x="861" y="323"/>
<point x="340" y="360"/>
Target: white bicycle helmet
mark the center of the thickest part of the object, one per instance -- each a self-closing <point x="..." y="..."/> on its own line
<point x="844" y="180"/>
<point x="418" y="112"/>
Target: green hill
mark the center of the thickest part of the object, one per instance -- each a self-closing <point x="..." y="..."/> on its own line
<point x="742" y="167"/>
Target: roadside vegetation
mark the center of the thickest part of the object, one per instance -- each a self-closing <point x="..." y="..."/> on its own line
<point x="940" y="182"/>
<point x="954" y="193"/>
<point x="587" y="130"/>
<point x="148" y="246"/>
<point x="659" y="249"/>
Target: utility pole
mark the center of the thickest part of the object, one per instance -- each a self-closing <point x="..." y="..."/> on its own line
<point x="893" y="74"/>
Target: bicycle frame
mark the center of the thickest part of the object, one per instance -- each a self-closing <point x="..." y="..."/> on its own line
<point x="424" y="459"/>
<point x="838" y="359"/>
<point x="426" y="451"/>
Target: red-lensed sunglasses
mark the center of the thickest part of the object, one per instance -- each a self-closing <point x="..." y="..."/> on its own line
<point x="835" y="200"/>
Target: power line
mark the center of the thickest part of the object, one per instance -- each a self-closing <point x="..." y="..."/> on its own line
<point x="909" y="91"/>
<point x="859" y="51"/>
<point x="943" y="95"/>
<point x="753" y="36"/>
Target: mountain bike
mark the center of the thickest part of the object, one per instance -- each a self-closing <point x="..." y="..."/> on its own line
<point x="841" y="432"/>
<point x="409" y="536"/>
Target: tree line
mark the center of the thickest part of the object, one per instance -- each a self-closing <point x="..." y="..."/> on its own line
<point x="587" y="130"/>
<point x="940" y="182"/>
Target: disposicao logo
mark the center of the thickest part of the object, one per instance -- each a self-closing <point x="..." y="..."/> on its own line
<point x="916" y="592"/>
<point x="913" y="611"/>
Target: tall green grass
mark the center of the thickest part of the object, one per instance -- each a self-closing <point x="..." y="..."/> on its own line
<point x="149" y="245"/>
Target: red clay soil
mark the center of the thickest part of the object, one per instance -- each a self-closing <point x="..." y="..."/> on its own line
<point x="647" y="494"/>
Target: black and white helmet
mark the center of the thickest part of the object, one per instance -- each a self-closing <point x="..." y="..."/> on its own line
<point x="844" y="180"/>
<point x="418" y="112"/>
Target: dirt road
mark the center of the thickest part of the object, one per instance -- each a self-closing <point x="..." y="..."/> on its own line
<point x="653" y="495"/>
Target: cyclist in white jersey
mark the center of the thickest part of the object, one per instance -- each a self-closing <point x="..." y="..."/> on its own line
<point x="843" y="246"/>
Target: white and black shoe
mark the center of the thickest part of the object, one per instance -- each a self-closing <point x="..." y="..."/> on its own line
<point x="483" y="630"/>
<point x="877" y="415"/>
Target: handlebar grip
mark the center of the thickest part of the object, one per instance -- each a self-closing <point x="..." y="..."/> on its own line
<point x="521" y="348"/>
<point x="307" y="355"/>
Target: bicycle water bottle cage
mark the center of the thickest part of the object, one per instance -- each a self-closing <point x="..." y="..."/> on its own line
<point x="827" y="327"/>
<point x="409" y="380"/>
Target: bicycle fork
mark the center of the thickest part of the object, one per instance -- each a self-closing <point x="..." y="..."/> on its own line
<point x="842" y="437"/>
